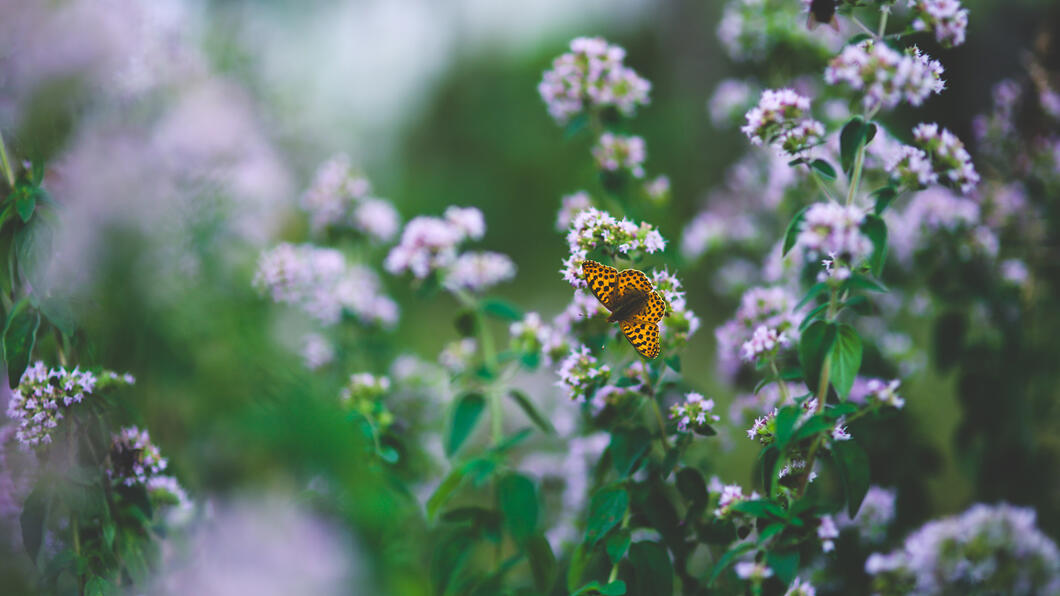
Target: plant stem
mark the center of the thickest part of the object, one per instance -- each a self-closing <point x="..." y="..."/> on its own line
<point x="5" y="165"/>
<point x="784" y="396"/>
<point x="614" y="567"/>
<point x="489" y="360"/>
<point x="855" y="178"/>
<point x="655" y="406"/>
<point x="820" y="183"/>
<point x="863" y="26"/>
<point x="886" y="12"/>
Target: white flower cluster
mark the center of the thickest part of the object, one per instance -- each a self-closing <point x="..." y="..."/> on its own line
<point x="580" y="372"/>
<point x="827" y="532"/>
<point x="780" y="119"/>
<point x="800" y="587"/>
<point x="591" y="76"/>
<point x="320" y="282"/>
<point x="911" y="167"/>
<point x="620" y="153"/>
<point x="36" y="406"/>
<point x="658" y="189"/>
<point x="339" y="197"/>
<point x="947" y="18"/>
<point x="764" y="341"/>
<point x="694" y="413"/>
<point x="988" y="549"/>
<point x="593" y="228"/>
<point x="833" y="229"/>
<point x="886" y="76"/>
<point x="316" y="351"/>
<point x="133" y="458"/>
<point x="768" y="306"/>
<point x="754" y="571"/>
<point x="950" y="160"/>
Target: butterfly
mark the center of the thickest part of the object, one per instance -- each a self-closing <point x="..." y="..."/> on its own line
<point x="633" y="302"/>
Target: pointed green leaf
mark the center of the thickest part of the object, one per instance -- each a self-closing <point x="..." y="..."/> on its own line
<point x="527" y="406"/>
<point x="854" y="472"/>
<point x="824" y="168"/>
<point x="791" y="234"/>
<point x="20" y="336"/>
<point x="606" y="510"/>
<point x="652" y="570"/>
<point x="875" y="228"/>
<point x="502" y="309"/>
<point x="466" y="413"/>
<point x="814" y="346"/>
<point x="616" y="544"/>
<point x="627" y="446"/>
<point x="846" y="359"/>
<point x="542" y="563"/>
<point x="518" y="504"/>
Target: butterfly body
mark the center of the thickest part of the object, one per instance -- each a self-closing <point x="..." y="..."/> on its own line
<point x="633" y="302"/>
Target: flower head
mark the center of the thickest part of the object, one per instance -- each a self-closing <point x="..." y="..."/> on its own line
<point x="834" y="229"/>
<point x="945" y="17"/>
<point x="476" y="271"/>
<point x="950" y="161"/>
<point x="780" y="119"/>
<point x="694" y="414"/>
<point x="591" y="76"/>
<point x="43" y="396"/>
<point x="363" y="394"/>
<point x="885" y="76"/>
<point x="133" y="459"/>
<point x="593" y="228"/>
<point x="618" y="153"/>
<point x="580" y="373"/>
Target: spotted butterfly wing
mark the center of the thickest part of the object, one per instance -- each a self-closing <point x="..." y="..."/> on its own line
<point x="633" y="302"/>
<point x="654" y="308"/>
<point x="643" y="336"/>
<point x="601" y="280"/>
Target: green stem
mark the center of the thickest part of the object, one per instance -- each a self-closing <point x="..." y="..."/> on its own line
<point x="863" y="26"/>
<point x="5" y="165"/>
<point x="855" y="178"/>
<point x="820" y="183"/>
<point x="886" y="12"/>
<point x="489" y="360"/>
<point x="614" y="567"/>
<point x="655" y="406"/>
<point x="784" y="396"/>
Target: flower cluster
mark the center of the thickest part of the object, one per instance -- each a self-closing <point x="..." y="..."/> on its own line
<point x="800" y="587"/>
<point x="167" y="491"/>
<point x="430" y="243"/>
<point x="363" y="393"/>
<point x="339" y="197"/>
<point x="950" y="161"/>
<point x="911" y="167"/>
<point x="730" y="102"/>
<point x="988" y="549"/>
<point x="780" y="120"/>
<point x="764" y="342"/>
<point x="827" y="532"/>
<point x="620" y="153"/>
<point x="530" y="335"/>
<point x="755" y="571"/>
<point x="316" y="351"/>
<point x="591" y="76"/>
<point x="771" y="307"/>
<point x="658" y="189"/>
<point x="476" y="271"/>
<point x="572" y="205"/>
<point x="694" y="414"/>
<point x="320" y="282"/>
<point x="886" y="76"/>
<point x="580" y="374"/>
<point x="457" y="355"/>
<point x="877" y="392"/>
<point x="946" y="17"/>
<point x="874" y="516"/>
<point x="37" y="404"/>
<point x="593" y="228"/>
<point x="680" y="322"/>
<point x="835" y="230"/>
<point x="933" y="210"/>
<point x="133" y="459"/>
<point x="731" y="494"/>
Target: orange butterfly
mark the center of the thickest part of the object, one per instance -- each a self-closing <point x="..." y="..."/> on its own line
<point x="633" y="302"/>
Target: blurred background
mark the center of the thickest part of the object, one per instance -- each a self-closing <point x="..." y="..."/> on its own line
<point x="179" y="135"/>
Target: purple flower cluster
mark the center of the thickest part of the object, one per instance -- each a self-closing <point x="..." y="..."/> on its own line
<point x="694" y="413"/>
<point x="591" y="76"/>
<point x="572" y="205"/>
<point x="988" y="549"/>
<point x="950" y="161"/>
<point x="946" y="18"/>
<point x="886" y="76"/>
<point x="834" y="229"/>
<point x="593" y="228"/>
<point x="339" y="197"/>
<point x="771" y="307"/>
<point x="876" y="392"/>
<point x="133" y="459"/>
<point x="320" y="282"/>
<point x="38" y="403"/>
<point x="620" y="153"/>
<point x="764" y="342"/>
<point x="476" y="271"/>
<point x="780" y="119"/>
<point x="874" y="516"/>
<point x="580" y="372"/>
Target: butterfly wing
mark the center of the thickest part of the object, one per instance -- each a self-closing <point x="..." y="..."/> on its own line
<point x="643" y="336"/>
<point x="654" y="308"/>
<point x="601" y="279"/>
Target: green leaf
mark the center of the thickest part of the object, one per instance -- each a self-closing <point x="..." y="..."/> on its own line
<point x="606" y="510"/>
<point x="854" y="472"/>
<point x="444" y="490"/>
<point x="824" y="168"/>
<point x="770" y="458"/>
<point x="759" y="508"/>
<point x="97" y="586"/>
<point x="25" y="205"/>
<point x="791" y="234"/>
<point x="691" y="485"/>
<point x="501" y="309"/>
<point x="627" y="446"/>
<point x="859" y="281"/>
<point x="511" y="441"/>
<point x="813" y="315"/>
<point x="527" y="406"/>
<point x="466" y="413"/>
<point x="812" y="427"/>
<point x="846" y="359"/>
<point x="883" y="197"/>
<point x="34" y="512"/>
<point x="518" y="504"/>
<point x="674" y="362"/>
<point x="875" y="228"/>
<point x="576" y="125"/>
<point x="784" y="425"/>
<point x="542" y="563"/>
<point x="814" y="291"/>
<point x="20" y="335"/>
<point x="814" y="345"/>
<point x="653" y="571"/>
<point x="856" y="133"/>
<point x="770" y="531"/>
<point x="785" y="564"/>
<point x="728" y="558"/>
<point x="616" y="544"/>
<point x="579" y="560"/>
